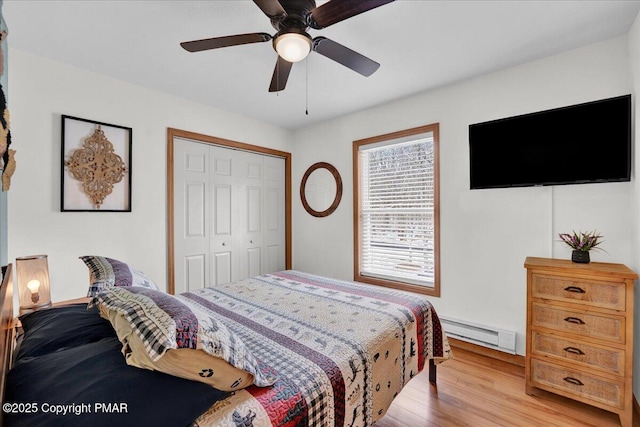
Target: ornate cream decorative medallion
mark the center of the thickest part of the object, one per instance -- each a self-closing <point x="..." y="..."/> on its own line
<point x="97" y="166"/>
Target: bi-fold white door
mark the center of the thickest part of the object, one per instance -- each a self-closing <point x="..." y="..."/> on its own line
<point x="229" y="214"/>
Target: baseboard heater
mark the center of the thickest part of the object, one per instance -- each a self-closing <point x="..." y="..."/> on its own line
<point x="497" y="339"/>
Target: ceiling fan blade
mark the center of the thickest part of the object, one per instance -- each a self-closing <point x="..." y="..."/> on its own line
<point x="217" y="42"/>
<point x="280" y="75"/>
<point x="345" y="56"/>
<point x="339" y="10"/>
<point x="271" y="8"/>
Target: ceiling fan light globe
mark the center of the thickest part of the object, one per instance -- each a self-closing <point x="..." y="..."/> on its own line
<point x="293" y="47"/>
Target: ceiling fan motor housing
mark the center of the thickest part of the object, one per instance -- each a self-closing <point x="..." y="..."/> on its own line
<point x="297" y="16"/>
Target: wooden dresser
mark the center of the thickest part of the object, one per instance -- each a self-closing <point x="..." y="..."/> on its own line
<point x="580" y="332"/>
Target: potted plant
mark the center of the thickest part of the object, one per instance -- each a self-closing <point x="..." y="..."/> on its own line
<point x="581" y="243"/>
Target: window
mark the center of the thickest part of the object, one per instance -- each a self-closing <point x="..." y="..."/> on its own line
<point x="396" y="220"/>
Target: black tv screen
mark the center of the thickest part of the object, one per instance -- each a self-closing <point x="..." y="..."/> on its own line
<point x="584" y="143"/>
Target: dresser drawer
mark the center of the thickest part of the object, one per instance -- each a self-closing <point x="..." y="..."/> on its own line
<point x="576" y="383"/>
<point x="603" y="358"/>
<point x="600" y="326"/>
<point x="587" y="292"/>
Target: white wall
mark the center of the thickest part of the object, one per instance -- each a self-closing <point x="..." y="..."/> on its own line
<point x="42" y="90"/>
<point x="634" y="59"/>
<point x="486" y="234"/>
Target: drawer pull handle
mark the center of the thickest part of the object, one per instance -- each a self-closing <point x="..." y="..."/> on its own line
<point x="575" y="289"/>
<point x="574" y="320"/>
<point x="574" y="351"/>
<point x="573" y="381"/>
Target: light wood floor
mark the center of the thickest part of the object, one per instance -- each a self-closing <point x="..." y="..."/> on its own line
<point x="478" y="391"/>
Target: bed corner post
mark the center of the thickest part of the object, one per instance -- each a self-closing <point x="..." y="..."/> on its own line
<point x="6" y="327"/>
<point x="432" y="372"/>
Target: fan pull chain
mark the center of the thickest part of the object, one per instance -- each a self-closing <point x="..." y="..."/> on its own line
<point x="306" y="111"/>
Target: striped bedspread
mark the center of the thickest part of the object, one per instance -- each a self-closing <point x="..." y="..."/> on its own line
<point x="342" y="351"/>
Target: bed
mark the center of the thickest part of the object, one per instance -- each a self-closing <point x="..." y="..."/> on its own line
<point x="330" y="353"/>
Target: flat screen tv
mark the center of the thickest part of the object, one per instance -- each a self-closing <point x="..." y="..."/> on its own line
<point x="584" y="143"/>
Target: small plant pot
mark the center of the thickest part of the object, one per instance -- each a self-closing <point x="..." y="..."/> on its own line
<point x="581" y="257"/>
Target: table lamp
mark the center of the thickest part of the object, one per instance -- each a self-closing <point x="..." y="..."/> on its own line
<point x="33" y="283"/>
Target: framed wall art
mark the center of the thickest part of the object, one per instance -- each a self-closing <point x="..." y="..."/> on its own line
<point x="96" y="166"/>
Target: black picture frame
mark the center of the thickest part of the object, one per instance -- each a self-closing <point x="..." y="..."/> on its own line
<point x="74" y="132"/>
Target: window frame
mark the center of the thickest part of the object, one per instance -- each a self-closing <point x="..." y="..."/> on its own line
<point x="398" y="284"/>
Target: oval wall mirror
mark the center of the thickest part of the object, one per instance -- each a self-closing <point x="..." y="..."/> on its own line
<point x="321" y="189"/>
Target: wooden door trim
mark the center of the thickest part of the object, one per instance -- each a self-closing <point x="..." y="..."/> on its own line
<point x="178" y="133"/>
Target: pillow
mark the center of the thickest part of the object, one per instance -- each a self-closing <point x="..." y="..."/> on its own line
<point x="97" y="388"/>
<point x="160" y="332"/>
<point x="195" y="365"/>
<point x="47" y="330"/>
<point x="107" y="272"/>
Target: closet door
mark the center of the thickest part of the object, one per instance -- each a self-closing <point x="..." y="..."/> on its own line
<point x="274" y="235"/>
<point x="224" y="212"/>
<point x="249" y="239"/>
<point x="191" y="215"/>
<point x="229" y="211"/>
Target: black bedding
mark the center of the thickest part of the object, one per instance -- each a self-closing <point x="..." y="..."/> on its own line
<point x="69" y="371"/>
<point x="46" y="331"/>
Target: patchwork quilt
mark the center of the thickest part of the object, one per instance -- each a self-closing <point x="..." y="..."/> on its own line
<point x="341" y="351"/>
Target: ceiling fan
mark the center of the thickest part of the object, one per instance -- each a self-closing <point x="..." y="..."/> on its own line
<point x="292" y="19"/>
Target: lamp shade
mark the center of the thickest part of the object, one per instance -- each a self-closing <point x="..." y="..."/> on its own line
<point x="33" y="282"/>
<point x="293" y="47"/>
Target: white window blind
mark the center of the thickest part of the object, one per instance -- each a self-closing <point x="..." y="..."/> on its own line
<point x="397" y="205"/>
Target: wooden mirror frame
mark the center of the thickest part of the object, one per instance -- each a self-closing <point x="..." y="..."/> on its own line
<point x="336" y="200"/>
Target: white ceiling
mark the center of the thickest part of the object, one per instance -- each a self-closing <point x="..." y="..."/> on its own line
<point x="420" y="45"/>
